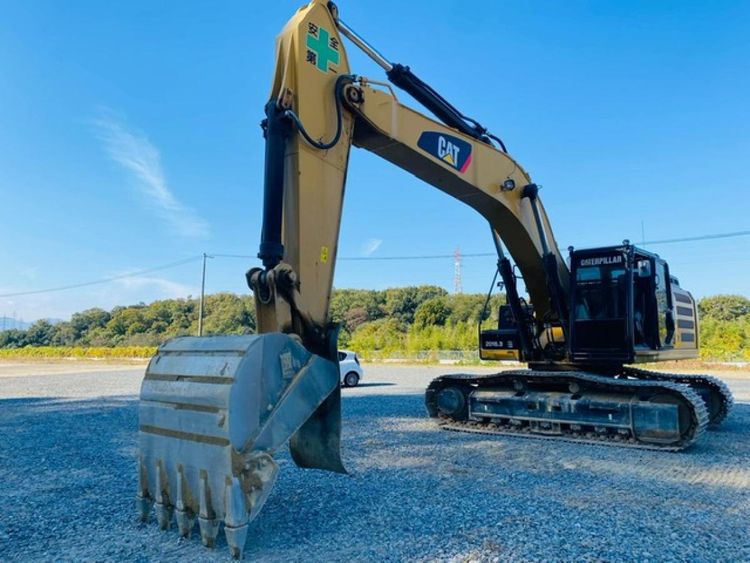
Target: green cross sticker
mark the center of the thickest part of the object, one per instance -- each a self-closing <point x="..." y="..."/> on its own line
<point x="321" y="48"/>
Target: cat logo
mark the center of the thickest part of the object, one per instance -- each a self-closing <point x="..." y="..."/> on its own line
<point x="448" y="151"/>
<point x="451" y="150"/>
<point x="600" y="261"/>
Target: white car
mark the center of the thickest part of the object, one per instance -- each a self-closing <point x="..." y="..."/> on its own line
<point x="351" y="371"/>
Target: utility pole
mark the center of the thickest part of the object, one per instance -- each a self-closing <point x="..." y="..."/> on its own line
<point x="457" y="284"/>
<point x="203" y="294"/>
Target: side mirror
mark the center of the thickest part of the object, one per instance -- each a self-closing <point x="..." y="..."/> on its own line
<point x="644" y="268"/>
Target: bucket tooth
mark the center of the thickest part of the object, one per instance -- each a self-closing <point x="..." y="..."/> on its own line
<point x="236" y="538"/>
<point x="143" y="504"/>
<point x="184" y="516"/>
<point x="209" y="530"/>
<point x="143" y="499"/>
<point x="163" y="507"/>
<point x="235" y="522"/>
<point x="208" y="524"/>
<point x="163" y="515"/>
<point x="185" y="522"/>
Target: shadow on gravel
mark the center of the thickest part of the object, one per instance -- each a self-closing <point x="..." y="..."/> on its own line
<point x="68" y="469"/>
<point x="417" y="492"/>
<point x="27" y="401"/>
<point x="65" y="403"/>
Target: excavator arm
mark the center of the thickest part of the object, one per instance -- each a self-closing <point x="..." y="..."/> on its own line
<point x="317" y="110"/>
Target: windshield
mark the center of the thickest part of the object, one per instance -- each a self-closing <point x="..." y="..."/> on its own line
<point x="600" y="292"/>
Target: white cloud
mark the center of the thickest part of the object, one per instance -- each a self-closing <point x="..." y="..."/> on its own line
<point x="124" y="291"/>
<point x="166" y="289"/>
<point x="33" y="307"/>
<point x="135" y="152"/>
<point x="370" y="246"/>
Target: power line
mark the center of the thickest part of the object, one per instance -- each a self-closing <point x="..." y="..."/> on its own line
<point x="701" y="237"/>
<point x="376" y="258"/>
<point x="492" y="254"/>
<point x="234" y="256"/>
<point x="106" y="280"/>
<point x="419" y="257"/>
<point x="343" y="258"/>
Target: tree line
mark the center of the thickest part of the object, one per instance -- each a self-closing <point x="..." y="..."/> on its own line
<point x="407" y="319"/>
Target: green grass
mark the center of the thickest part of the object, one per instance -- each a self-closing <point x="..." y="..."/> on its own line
<point x="77" y="352"/>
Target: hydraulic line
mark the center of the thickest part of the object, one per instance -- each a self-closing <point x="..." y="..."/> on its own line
<point x="338" y="89"/>
<point x="277" y="130"/>
<point x="403" y="77"/>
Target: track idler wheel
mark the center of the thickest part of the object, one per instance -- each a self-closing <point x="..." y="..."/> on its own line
<point x="453" y="402"/>
<point x="684" y="416"/>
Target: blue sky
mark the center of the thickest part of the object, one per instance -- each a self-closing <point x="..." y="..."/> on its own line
<point x="129" y="138"/>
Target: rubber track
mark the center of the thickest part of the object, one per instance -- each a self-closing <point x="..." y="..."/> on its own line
<point x="715" y="385"/>
<point x="698" y="408"/>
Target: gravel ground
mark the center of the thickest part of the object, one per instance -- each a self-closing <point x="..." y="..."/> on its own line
<point x="67" y="468"/>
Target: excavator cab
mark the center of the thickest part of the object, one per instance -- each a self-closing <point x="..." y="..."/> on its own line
<point x="601" y="326"/>
<point x="623" y="308"/>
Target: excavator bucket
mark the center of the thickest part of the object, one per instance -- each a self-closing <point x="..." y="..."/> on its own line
<point x="213" y="411"/>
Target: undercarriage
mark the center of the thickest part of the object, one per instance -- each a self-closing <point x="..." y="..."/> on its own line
<point x="631" y="408"/>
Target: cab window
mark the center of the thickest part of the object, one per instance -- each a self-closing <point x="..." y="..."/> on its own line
<point x="601" y="293"/>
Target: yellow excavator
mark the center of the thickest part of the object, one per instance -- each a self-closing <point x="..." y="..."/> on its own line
<point x="214" y="410"/>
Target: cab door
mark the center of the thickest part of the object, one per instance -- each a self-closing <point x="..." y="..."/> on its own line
<point x="663" y="293"/>
<point x="601" y="311"/>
